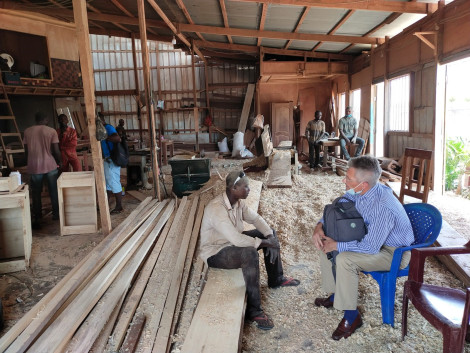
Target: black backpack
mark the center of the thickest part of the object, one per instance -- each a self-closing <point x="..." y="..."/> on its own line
<point x="343" y="222"/>
<point x="120" y="154"/>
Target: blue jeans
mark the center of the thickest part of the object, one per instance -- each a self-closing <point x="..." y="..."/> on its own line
<point x="37" y="181"/>
<point x="359" y="149"/>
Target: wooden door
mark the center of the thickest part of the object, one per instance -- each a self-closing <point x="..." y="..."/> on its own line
<point x="282" y="122"/>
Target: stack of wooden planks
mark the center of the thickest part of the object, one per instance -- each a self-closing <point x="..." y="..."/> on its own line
<point x="124" y="295"/>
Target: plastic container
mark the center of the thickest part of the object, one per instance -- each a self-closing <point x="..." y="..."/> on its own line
<point x="18" y="175"/>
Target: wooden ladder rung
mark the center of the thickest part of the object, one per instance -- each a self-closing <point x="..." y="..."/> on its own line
<point x="4" y="101"/>
<point x="14" y="151"/>
<point x="7" y="117"/>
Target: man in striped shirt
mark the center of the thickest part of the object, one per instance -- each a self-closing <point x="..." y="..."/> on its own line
<point x="388" y="228"/>
<point x="314" y="132"/>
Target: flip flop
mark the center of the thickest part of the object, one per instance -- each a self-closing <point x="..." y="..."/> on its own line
<point x="116" y="211"/>
<point x="263" y="322"/>
<point x="287" y="282"/>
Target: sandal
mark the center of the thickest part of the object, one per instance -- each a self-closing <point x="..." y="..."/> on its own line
<point x="116" y="211"/>
<point x="287" y="282"/>
<point x="263" y="321"/>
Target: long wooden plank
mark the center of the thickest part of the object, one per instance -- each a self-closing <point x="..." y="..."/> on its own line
<point x="86" y="65"/>
<point x="214" y="328"/>
<point x="54" y="299"/>
<point x="246" y="107"/>
<point x="252" y="201"/>
<point x="90" y="329"/>
<point x="155" y="295"/>
<point x="187" y="269"/>
<point x="134" y="297"/>
<point x="280" y="170"/>
<point x="137" y="194"/>
<point x="163" y="333"/>
<point x="59" y="332"/>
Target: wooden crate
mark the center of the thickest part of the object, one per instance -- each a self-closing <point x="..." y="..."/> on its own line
<point x="8" y="184"/>
<point x="77" y="203"/>
<point x="15" y="231"/>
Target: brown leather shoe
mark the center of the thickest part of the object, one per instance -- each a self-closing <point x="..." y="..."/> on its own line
<point x="345" y="329"/>
<point x="325" y="302"/>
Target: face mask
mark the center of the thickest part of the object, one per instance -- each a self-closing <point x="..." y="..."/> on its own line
<point x="353" y="192"/>
<point x="349" y="115"/>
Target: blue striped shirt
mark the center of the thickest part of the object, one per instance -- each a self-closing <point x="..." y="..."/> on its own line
<point x="386" y="219"/>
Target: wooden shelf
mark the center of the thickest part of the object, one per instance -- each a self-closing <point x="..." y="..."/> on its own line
<point x="44" y="91"/>
<point x="172" y="110"/>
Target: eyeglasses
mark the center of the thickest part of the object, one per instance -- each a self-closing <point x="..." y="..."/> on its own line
<point x="241" y="175"/>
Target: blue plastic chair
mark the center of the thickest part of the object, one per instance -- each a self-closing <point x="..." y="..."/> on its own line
<point x="426" y="221"/>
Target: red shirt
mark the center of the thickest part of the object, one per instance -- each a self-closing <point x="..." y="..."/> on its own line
<point x="68" y="139"/>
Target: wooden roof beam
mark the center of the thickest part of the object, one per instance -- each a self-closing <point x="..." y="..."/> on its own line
<point x="187" y="15"/>
<point x="262" y="20"/>
<point x="66" y="13"/>
<point x="372" y="5"/>
<point x="255" y="50"/>
<point x="336" y="27"/>
<point x="181" y="27"/>
<point x="118" y="25"/>
<point x="178" y="33"/>
<point x="224" y="16"/>
<point x="127" y="34"/>
<point x="128" y="13"/>
<point x="62" y="6"/>
<point x="299" y="23"/>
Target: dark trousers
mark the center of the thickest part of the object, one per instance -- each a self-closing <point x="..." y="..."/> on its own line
<point x="314" y="153"/>
<point x="37" y="181"/>
<point x="232" y="257"/>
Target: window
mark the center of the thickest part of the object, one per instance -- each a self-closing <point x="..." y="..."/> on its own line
<point x="341" y="104"/>
<point x="399" y="103"/>
<point x="355" y="103"/>
<point x="378" y="119"/>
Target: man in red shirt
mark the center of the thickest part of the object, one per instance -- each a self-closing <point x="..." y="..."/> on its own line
<point x="43" y="156"/>
<point x="68" y="145"/>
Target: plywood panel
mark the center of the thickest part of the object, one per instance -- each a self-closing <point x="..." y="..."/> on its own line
<point x="11" y="233"/>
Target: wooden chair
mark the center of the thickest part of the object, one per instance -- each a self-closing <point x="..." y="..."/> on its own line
<point x="416" y="174"/>
<point x="363" y="132"/>
<point x="447" y="309"/>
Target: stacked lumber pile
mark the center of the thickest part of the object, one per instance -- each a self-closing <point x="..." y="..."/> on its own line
<point x="124" y="295"/>
<point x="389" y="169"/>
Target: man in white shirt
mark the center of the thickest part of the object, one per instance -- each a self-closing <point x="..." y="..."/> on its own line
<point x="225" y="245"/>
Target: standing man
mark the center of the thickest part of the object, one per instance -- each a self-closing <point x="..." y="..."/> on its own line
<point x="388" y="228"/>
<point x="68" y="145"/>
<point x="43" y="156"/>
<point x="314" y="132"/>
<point x="112" y="172"/>
<point x="348" y="134"/>
<point x="121" y="130"/>
<point x="225" y="245"/>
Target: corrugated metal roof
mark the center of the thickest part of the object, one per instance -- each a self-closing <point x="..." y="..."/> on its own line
<point x="320" y="20"/>
<point x="362" y="22"/>
<point x="282" y="18"/>
<point x="273" y="43"/>
<point x="302" y="45"/>
<point x="205" y="12"/>
<point x="243" y="14"/>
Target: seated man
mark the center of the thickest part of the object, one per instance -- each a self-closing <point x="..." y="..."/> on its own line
<point x="225" y="245"/>
<point x="348" y="134"/>
<point x="388" y="228"/>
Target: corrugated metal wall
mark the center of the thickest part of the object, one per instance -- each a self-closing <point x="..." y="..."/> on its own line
<point x="114" y="73"/>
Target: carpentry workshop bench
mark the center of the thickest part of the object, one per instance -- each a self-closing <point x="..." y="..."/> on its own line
<point x="217" y="324"/>
<point x="458" y="264"/>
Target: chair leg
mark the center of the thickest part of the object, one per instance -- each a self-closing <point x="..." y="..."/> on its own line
<point x="387" y="298"/>
<point x="452" y="342"/>
<point x="404" y="315"/>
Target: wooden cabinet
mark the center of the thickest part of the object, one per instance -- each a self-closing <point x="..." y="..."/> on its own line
<point x="282" y="122"/>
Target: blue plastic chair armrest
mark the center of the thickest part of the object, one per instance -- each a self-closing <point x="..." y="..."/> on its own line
<point x="397" y="255"/>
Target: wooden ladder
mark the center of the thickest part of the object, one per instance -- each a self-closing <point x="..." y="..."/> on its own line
<point x="18" y="147"/>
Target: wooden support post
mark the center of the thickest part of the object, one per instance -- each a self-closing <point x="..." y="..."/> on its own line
<point x="195" y="110"/>
<point x="148" y="97"/>
<point x="83" y="36"/>
<point x="159" y="90"/>
<point x="137" y="89"/>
